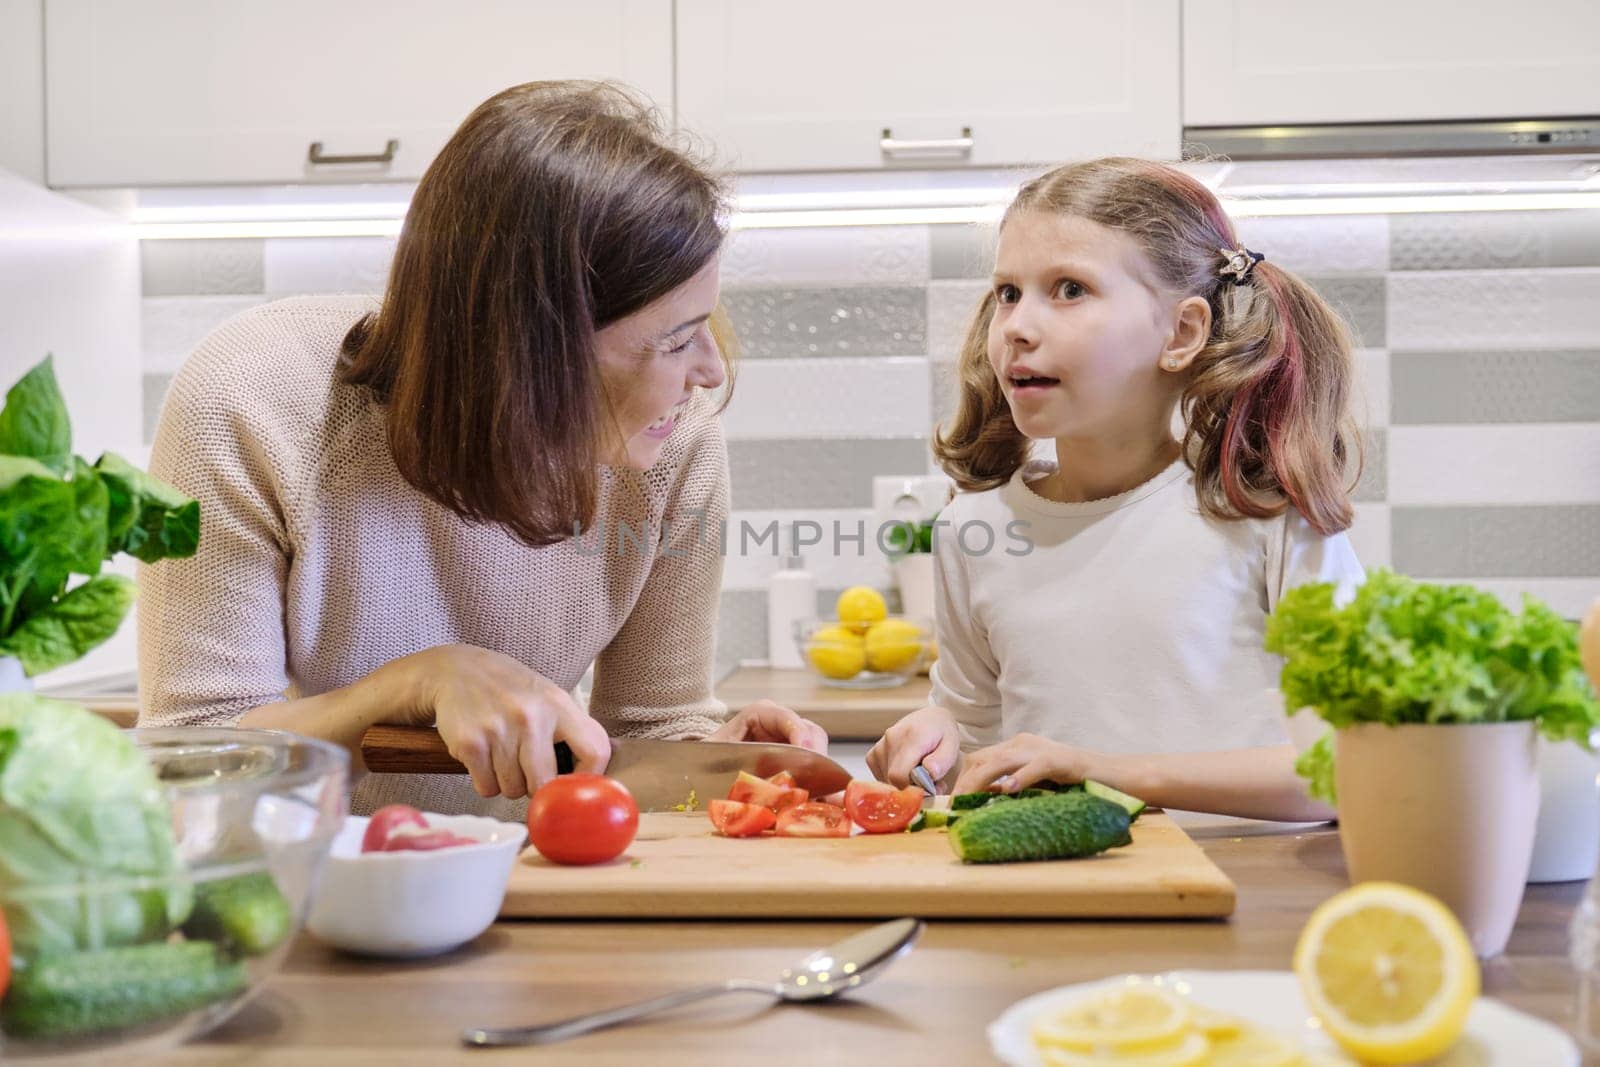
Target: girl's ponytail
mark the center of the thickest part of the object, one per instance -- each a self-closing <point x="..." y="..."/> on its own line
<point x="1266" y="407"/>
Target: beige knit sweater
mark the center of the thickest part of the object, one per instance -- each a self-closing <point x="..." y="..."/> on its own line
<point x="318" y="563"/>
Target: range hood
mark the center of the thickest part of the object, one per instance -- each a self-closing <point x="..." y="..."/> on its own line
<point x="1395" y="139"/>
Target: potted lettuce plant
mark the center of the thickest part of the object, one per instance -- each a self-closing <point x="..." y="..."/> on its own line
<point x="1435" y="695"/>
<point x="61" y="519"/>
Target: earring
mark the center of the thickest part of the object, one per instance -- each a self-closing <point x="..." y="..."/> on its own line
<point x="1172" y="364"/>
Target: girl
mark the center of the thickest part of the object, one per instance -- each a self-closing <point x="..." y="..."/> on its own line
<point x="389" y="490"/>
<point x="1126" y="645"/>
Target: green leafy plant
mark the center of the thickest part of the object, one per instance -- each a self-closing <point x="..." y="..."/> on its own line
<point x="1404" y="651"/>
<point x="61" y="519"/>
<point x="906" y="538"/>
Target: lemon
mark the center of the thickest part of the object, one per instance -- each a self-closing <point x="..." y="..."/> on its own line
<point x="1389" y="971"/>
<point x="1188" y="1049"/>
<point x="1128" y="1019"/>
<point x="893" y="645"/>
<point x="1250" y="1046"/>
<point x="859" y="607"/>
<point x="1213" y="1023"/>
<point x="837" y="652"/>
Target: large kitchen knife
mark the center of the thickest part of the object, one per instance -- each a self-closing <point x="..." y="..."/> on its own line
<point x="659" y="774"/>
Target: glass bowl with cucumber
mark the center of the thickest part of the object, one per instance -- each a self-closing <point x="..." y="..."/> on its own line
<point x="150" y="880"/>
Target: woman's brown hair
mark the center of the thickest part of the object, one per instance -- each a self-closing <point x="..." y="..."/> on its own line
<point x="1265" y="403"/>
<point x="556" y="209"/>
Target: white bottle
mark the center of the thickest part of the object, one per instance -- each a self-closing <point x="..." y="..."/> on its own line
<point x="791" y="596"/>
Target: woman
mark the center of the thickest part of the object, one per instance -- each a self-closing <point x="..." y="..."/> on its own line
<point x="390" y="493"/>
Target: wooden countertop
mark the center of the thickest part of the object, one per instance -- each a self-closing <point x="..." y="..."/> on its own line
<point x="847" y="714"/>
<point x="929" y="1008"/>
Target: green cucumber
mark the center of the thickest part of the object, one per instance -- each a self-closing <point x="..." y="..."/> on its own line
<point x="81" y="993"/>
<point x="247" y="914"/>
<point x="1060" y="826"/>
<point x="1133" y="805"/>
<point x="919" y="821"/>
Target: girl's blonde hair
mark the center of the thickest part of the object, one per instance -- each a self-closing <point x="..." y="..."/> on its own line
<point x="1266" y="401"/>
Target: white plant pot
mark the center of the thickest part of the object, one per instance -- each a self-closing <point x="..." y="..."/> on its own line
<point x="914" y="576"/>
<point x="1566" y="840"/>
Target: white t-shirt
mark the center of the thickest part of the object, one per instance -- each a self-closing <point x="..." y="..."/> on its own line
<point x="1131" y="624"/>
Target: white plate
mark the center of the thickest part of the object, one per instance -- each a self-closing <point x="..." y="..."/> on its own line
<point x="1496" y="1036"/>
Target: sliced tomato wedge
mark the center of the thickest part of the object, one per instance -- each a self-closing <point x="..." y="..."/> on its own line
<point x="880" y="808"/>
<point x="426" y="841"/>
<point x="783" y="778"/>
<point x="386" y="821"/>
<point x="766" y="793"/>
<point x="813" y="819"/>
<point x="734" y="818"/>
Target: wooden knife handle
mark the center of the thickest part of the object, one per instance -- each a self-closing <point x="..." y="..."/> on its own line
<point x="420" y="750"/>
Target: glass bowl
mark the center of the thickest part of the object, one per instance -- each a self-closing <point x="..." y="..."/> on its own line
<point x="141" y="922"/>
<point x="886" y="654"/>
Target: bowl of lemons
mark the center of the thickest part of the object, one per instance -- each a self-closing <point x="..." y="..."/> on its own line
<point x="864" y="647"/>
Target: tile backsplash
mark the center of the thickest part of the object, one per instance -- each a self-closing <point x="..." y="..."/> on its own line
<point x="1480" y="357"/>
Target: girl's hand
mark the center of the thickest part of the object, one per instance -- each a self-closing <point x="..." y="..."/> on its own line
<point x="928" y="736"/>
<point x="1021" y="761"/>
<point x="498" y="717"/>
<point x="767" y="721"/>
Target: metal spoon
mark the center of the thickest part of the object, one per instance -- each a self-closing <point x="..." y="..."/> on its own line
<point x="825" y="973"/>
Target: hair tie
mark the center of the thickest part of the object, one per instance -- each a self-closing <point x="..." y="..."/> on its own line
<point x="1238" y="263"/>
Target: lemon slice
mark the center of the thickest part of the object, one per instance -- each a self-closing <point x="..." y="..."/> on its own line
<point x="1212" y="1022"/>
<point x="1389" y="971"/>
<point x="1189" y="1049"/>
<point x="1120" y="1019"/>
<point x="1251" y="1046"/>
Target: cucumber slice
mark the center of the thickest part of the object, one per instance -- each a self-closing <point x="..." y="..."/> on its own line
<point x="1132" y="805"/>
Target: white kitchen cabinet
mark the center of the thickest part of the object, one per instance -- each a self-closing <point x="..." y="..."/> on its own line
<point x="152" y="92"/>
<point x="841" y="84"/>
<point x="1266" y="62"/>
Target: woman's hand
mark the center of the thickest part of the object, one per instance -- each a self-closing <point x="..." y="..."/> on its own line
<point x="767" y="721"/>
<point x="929" y="736"/>
<point x="1019" y="762"/>
<point x="499" y="717"/>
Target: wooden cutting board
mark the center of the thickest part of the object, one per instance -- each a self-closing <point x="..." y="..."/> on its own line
<point x="678" y="868"/>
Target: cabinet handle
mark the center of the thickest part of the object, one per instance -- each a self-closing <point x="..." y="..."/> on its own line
<point x="949" y="146"/>
<point x="386" y="156"/>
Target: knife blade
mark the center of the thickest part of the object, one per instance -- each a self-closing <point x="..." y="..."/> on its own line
<point x="659" y="774"/>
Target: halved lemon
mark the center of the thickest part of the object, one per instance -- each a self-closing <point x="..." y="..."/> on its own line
<point x="1189" y="1049"/>
<point x="1251" y="1046"/>
<point x="1389" y="971"/>
<point x="1130" y="1018"/>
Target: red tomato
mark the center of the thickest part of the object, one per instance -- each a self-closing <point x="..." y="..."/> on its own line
<point x="582" y="819"/>
<point x="5" y="955"/>
<point x="766" y="792"/>
<point x="783" y="778"/>
<point x="385" y="821"/>
<point x="733" y="819"/>
<point x="814" y="820"/>
<point x="880" y="808"/>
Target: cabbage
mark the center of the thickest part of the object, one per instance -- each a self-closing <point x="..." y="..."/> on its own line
<point x="81" y="813"/>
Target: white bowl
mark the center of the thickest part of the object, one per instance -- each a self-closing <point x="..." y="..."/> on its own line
<point x="411" y="904"/>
